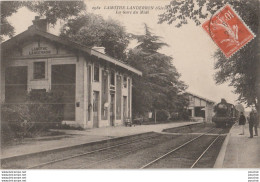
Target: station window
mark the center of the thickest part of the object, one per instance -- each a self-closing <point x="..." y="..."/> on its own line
<point x="112" y="78"/>
<point x="125" y="81"/>
<point x="39" y="70"/>
<point x="96" y="73"/>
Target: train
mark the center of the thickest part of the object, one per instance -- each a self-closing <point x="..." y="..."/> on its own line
<point x="225" y="114"/>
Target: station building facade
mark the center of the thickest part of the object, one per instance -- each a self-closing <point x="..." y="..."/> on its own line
<point x="200" y="107"/>
<point x="97" y="88"/>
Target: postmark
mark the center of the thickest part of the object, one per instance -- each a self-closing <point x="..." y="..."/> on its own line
<point x="228" y="31"/>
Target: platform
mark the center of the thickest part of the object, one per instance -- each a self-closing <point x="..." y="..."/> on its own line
<point x="239" y="151"/>
<point x="76" y="137"/>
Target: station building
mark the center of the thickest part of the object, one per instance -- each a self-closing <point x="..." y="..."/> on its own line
<point x="97" y="88"/>
<point x="200" y="107"/>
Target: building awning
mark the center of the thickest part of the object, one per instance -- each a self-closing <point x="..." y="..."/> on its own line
<point x="114" y="61"/>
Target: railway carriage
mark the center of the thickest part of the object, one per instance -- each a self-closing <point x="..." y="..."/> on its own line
<point x="225" y="114"/>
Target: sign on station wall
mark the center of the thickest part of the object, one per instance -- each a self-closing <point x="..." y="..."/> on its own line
<point x="39" y="48"/>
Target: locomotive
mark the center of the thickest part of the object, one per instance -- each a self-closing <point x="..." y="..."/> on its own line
<point x="225" y="114"/>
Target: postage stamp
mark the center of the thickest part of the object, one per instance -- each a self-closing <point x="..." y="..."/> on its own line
<point x="228" y="31"/>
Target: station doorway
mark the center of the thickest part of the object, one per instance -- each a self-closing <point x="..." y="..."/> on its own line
<point x="95" y="109"/>
<point x="16" y="84"/>
<point x="124" y="108"/>
<point x="63" y="79"/>
<point x="200" y="112"/>
<point x="112" y="109"/>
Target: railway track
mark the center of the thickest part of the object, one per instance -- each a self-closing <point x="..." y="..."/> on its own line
<point x="100" y="164"/>
<point x="92" y="158"/>
<point x="52" y="156"/>
<point x="96" y="151"/>
<point x="101" y="156"/>
<point x="204" y="152"/>
<point x="89" y="152"/>
<point x="120" y="153"/>
<point x="197" y="160"/>
<point x="117" y="151"/>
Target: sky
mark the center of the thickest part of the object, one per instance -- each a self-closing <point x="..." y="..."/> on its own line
<point x="190" y="46"/>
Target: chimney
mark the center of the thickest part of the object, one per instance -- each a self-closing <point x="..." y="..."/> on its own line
<point x="99" y="49"/>
<point x="41" y="24"/>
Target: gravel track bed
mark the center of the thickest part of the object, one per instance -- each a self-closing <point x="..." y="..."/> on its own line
<point x="38" y="158"/>
<point x="136" y="154"/>
<point x="208" y="160"/>
<point x="93" y="160"/>
<point x="140" y="157"/>
<point x="186" y="156"/>
<point x="198" y="128"/>
<point x="195" y="128"/>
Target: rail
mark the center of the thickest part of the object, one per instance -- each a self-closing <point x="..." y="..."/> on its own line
<point x="204" y="152"/>
<point x="173" y="150"/>
<point x="86" y="153"/>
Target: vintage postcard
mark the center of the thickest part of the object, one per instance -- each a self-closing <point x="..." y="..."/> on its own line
<point x="127" y="84"/>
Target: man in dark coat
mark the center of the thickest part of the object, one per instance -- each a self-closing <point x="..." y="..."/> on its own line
<point x="256" y="124"/>
<point x="253" y="122"/>
<point x="242" y="122"/>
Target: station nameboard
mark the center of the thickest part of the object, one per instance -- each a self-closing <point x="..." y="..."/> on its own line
<point x="39" y="50"/>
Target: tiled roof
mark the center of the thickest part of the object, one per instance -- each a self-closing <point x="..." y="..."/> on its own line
<point x="202" y="98"/>
<point x="34" y="31"/>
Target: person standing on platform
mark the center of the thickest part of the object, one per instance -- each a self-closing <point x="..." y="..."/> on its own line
<point x="256" y="123"/>
<point x="242" y="122"/>
<point x="253" y="123"/>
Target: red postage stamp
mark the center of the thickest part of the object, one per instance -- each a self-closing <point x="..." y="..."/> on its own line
<point x="228" y="31"/>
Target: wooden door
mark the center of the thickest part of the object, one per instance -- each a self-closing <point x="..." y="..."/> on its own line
<point x="95" y="109"/>
<point x="112" y="109"/>
<point x="124" y="108"/>
<point x="63" y="79"/>
<point x="16" y="84"/>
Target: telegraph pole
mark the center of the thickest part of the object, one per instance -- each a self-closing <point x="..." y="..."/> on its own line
<point x="258" y="66"/>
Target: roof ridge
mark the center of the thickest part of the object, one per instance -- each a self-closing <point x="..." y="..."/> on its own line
<point x="68" y="42"/>
<point x="191" y="93"/>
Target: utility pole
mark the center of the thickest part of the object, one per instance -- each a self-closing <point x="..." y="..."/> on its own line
<point x="258" y="66"/>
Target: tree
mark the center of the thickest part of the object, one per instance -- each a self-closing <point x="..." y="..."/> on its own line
<point x="242" y="70"/>
<point x="53" y="10"/>
<point x="159" y="88"/>
<point x="7" y="9"/>
<point x="148" y="42"/>
<point x="92" y="30"/>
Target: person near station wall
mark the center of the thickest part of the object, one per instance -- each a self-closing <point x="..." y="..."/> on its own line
<point x="242" y="122"/>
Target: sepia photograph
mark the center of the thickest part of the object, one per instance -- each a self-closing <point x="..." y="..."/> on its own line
<point x="130" y="84"/>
